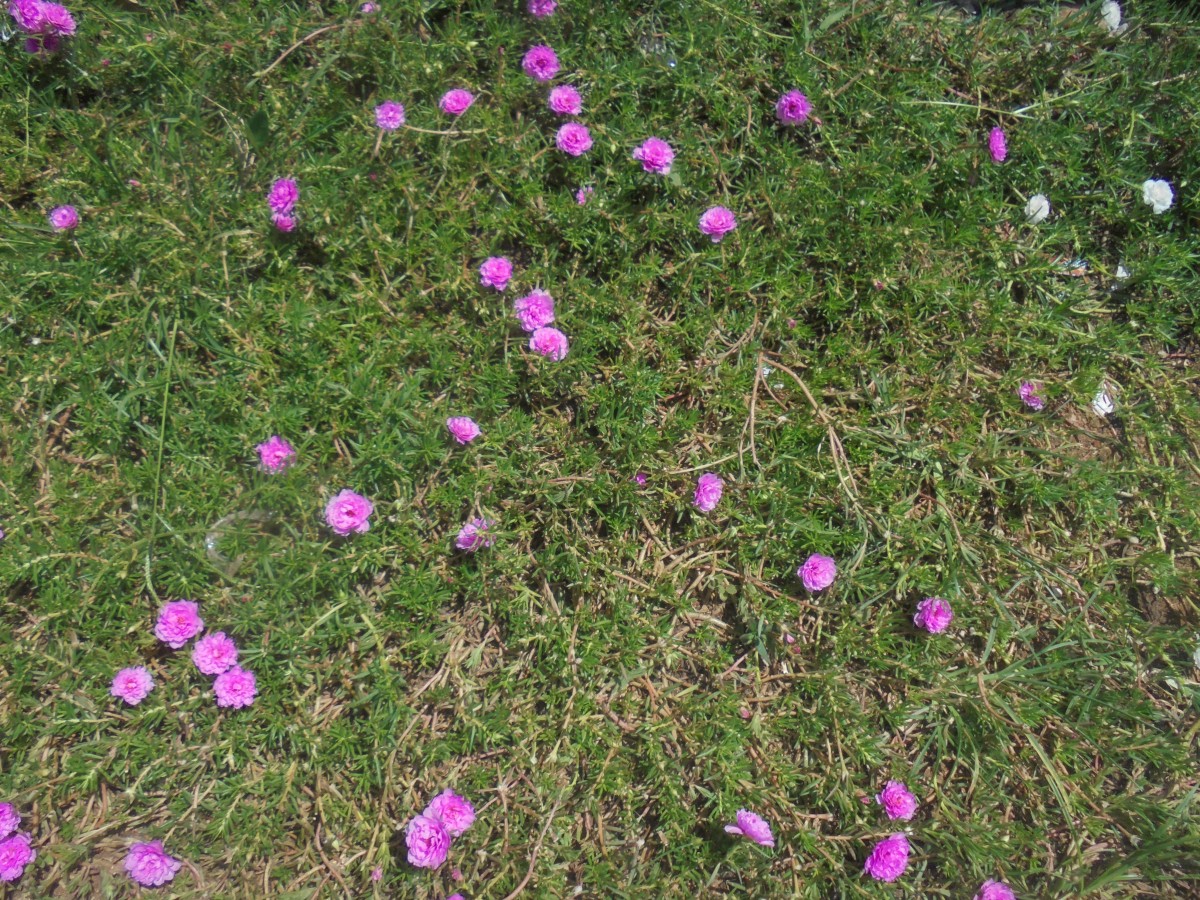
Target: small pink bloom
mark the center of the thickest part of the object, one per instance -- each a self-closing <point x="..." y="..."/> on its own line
<point x="565" y="100"/>
<point x="897" y="801"/>
<point x="474" y="535"/>
<point x="367" y="8"/>
<point x="540" y="63"/>
<point x="275" y="454"/>
<point x="455" y="897"/>
<point x="888" y="859"/>
<point x="995" y="890"/>
<point x="709" y="488"/>
<point x="495" y="272"/>
<point x="584" y="194"/>
<point x="10" y="819"/>
<point x="793" y="108"/>
<point x="428" y="842"/>
<point x="284" y="221"/>
<point x="550" y="343"/>
<point x="16" y="853"/>
<point x="236" y="688"/>
<point x="934" y="615"/>
<point x="64" y="218"/>
<point x="818" y="572"/>
<point x="1030" y="394"/>
<point x="132" y="685"/>
<point x="535" y="310"/>
<point x="655" y="155"/>
<point x="215" y="653"/>
<point x="453" y="811"/>
<point x="716" y="222"/>
<point x="640" y="478"/>
<point x="377" y="873"/>
<point x="789" y="639"/>
<point x="283" y="196"/>
<point x="178" y="622"/>
<point x="573" y="139"/>
<point x="150" y="865"/>
<point x="542" y="8"/>
<point x="752" y="826"/>
<point x="348" y="512"/>
<point x="997" y="145"/>
<point x="389" y="115"/>
<point x="463" y="428"/>
<point x="456" y="102"/>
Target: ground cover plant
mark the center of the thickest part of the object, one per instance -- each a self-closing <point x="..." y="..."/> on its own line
<point x="733" y="450"/>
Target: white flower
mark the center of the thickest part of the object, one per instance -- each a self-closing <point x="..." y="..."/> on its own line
<point x="1122" y="272"/>
<point x="1110" y="12"/>
<point x="1102" y="403"/>
<point x="1158" y="194"/>
<point x="1037" y="209"/>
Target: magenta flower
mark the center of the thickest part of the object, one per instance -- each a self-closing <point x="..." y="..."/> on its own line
<point x="347" y="511"/>
<point x="474" y="535"/>
<point x="236" y="688"/>
<point x="535" y="310"/>
<point x="42" y="18"/>
<point x="896" y="801"/>
<point x="10" y="819"/>
<point x="640" y="479"/>
<point x="997" y="145"/>
<point x="934" y="615"/>
<point x="389" y="115"/>
<point x="540" y="63"/>
<point x="453" y="811"/>
<point x="64" y="218"/>
<point x="709" y="488"/>
<point x="178" y="622"/>
<point x="367" y="8"/>
<point x="752" y="826"/>
<point x="456" y="102"/>
<point x="428" y="842"/>
<point x="283" y="196"/>
<point x="655" y="155"/>
<point x="463" y="428"/>
<point x="283" y="221"/>
<point x="150" y="865"/>
<point x="495" y="272"/>
<point x="793" y="108"/>
<point x="132" y="685"/>
<point x="573" y="139"/>
<point x="542" y="8"/>
<point x="888" y="859"/>
<point x="584" y="194"/>
<point x="716" y="222"/>
<point x="565" y="100"/>
<point x="377" y="873"/>
<point x="57" y="19"/>
<point x="27" y="14"/>
<point x="16" y="853"/>
<point x="275" y="454"/>
<point x="818" y="572"/>
<point x="550" y="343"/>
<point x="995" y="890"/>
<point x="215" y="653"/>
<point x="1030" y="394"/>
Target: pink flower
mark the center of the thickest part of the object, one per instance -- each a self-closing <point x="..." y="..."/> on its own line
<point x="57" y="19"/>
<point x="453" y="811"/>
<point x="132" y="685"/>
<point x="150" y="865"/>
<point x="752" y="826"/>
<point x="27" y="14"/>
<point x="934" y="615"/>
<point x="236" y="688"/>
<point x="584" y="194"/>
<point x="275" y="454"/>
<point x="178" y="622"/>
<point x="565" y="100"/>
<point x="456" y="102"/>
<point x="640" y="479"/>
<point x="10" y="820"/>
<point x="64" y="218"/>
<point x="535" y="310"/>
<point x="708" y="492"/>
<point x="495" y="272"/>
<point x="463" y="428"/>
<point x="283" y="195"/>
<point x="460" y="896"/>
<point x="42" y="17"/>
<point x="793" y="108"/>
<point x="550" y="343"/>
<point x="655" y="155"/>
<point x="367" y="8"/>
<point x="573" y="139"/>
<point x="475" y="534"/>
<point x="215" y="653"/>
<point x="389" y="115"/>
<point x="283" y="221"/>
<point x="377" y="873"/>
<point x="347" y="511"/>
<point x="1030" y="396"/>
<point x="896" y="801"/>
<point x="995" y="890"/>
<point x="542" y="8"/>
<point x="540" y="63"/>
<point x="818" y="572"/>
<point x="888" y="859"/>
<point x="717" y="222"/>
<point x="428" y="842"/>
<point x="997" y="145"/>
<point x="16" y="853"/>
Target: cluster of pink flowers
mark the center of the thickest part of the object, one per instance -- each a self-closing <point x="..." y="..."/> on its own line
<point x="46" y="23"/>
<point x="753" y="827"/>
<point x="348" y="512"/>
<point x="429" y="835"/>
<point x="282" y="199"/>
<point x="214" y="654"/>
<point x="275" y="454"/>
<point x="16" y="847"/>
<point x="150" y="865"/>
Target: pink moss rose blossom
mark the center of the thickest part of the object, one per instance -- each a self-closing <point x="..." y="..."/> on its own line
<point x="16" y="853"/>
<point x="888" y="859"/>
<point x="453" y="811"/>
<point x="753" y="826"/>
<point x="1030" y="394"/>
<point x="132" y="685"/>
<point x="389" y="115"/>
<point x="997" y="145"/>
<point x="463" y="428"/>
<point x="542" y="8"/>
<point x="793" y="108"/>
<point x="540" y="63"/>
<point x="716" y="222"/>
<point x="535" y="310"/>
<point x="275" y="454"/>
<point x="235" y="688"/>
<point x="456" y="102"/>
<point x="178" y="622"/>
<point x="10" y="819"/>
<point x="495" y="272"/>
<point x="150" y="865"/>
<point x="428" y="842"/>
<point x="897" y="801"/>
<point x="550" y="343"/>
<point x="573" y="139"/>
<point x="995" y="890"/>
<point x="64" y="218"/>
<point x="655" y="155"/>
<point x="817" y="572"/>
<point x="709" y="488"/>
<point x="564" y="100"/>
<point x="283" y="196"/>
<point x="348" y="512"/>
<point x="215" y="653"/>
<point x="584" y="194"/>
<point x="474" y="535"/>
<point x="934" y="615"/>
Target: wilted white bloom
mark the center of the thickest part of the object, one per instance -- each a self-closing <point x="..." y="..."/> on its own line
<point x="1110" y="12"/>
<point x="1037" y="209"/>
<point x="1102" y="403"/>
<point x="1158" y="194"/>
<point x="1122" y="272"/>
